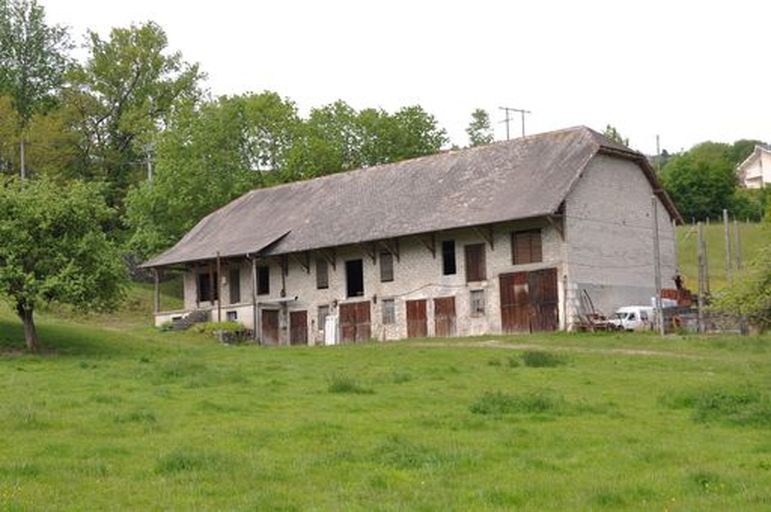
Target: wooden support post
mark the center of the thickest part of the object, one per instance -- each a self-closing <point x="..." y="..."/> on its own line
<point x="727" y="236"/>
<point x="254" y="298"/>
<point x="211" y="284"/>
<point x="284" y="273"/>
<point x="487" y="234"/>
<point x="219" y="288"/>
<point x="556" y="222"/>
<point x="700" y="259"/>
<point x="197" y="279"/>
<point x="156" y="292"/>
<point x="430" y="242"/>
<point x="330" y="256"/>
<point x="303" y="259"/>
<point x="657" y="263"/>
<point x="565" y="302"/>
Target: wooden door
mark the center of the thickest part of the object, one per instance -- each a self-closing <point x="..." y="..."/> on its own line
<point x="269" y="326"/>
<point x="298" y="328"/>
<point x="529" y="301"/>
<point x="444" y="316"/>
<point x="417" y="320"/>
<point x="544" y="300"/>
<point x="355" y="322"/>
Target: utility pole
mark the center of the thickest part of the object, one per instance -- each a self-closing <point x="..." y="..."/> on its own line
<point x="700" y="258"/>
<point x="506" y="120"/>
<point x="737" y="245"/>
<point x="727" y="235"/>
<point x="657" y="264"/>
<point x="658" y="155"/>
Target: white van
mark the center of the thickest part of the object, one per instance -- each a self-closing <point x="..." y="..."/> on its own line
<point x="633" y="318"/>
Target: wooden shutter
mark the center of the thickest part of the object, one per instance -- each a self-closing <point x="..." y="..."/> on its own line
<point x="322" y="274"/>
<point x="475" y="263"/>
<point x="386" y="267"/>
<point x="234" y="281"/>
<point x="526" y="247"/>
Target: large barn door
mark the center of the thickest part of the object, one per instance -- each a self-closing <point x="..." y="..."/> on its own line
<point x="298" y="328"/>
<point x="269" y="326"/>
<point x="417" y="320"/>
<point x="355" y="322"/>
<point x="529" y="301"/>
<point x="444" y="316"/>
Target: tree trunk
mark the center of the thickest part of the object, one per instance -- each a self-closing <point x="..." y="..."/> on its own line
<point x="30" y="332"/>
<point x="23" y="162"/>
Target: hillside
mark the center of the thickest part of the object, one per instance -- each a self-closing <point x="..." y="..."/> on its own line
<point x="753" y="237"/>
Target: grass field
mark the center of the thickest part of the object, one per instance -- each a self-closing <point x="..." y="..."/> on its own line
<point x="119" y="416"/>
<point x="752" y="236"/>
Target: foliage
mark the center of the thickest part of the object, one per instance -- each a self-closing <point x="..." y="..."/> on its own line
<point x="701" y="181"/>
<point x="737" y="405"/>
<point x="741" y="149"/>
<point x="53" y="249"/>
<point x="749" y="204"/>
<point x="613" y="134"/>
<point x="479" y="130"/>
<point x="211" y="327"/>
<point x="126" y="90"/>
<point x="33" y="57"/>
<point x="346" y="384"/>
<point x="535" y="402"/>
<point x="750" y="295"/>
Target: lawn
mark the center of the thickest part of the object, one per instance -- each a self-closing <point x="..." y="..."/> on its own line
<point x="119" y="416"/>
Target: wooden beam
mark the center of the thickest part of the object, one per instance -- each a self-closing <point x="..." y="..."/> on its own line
<point x="254" y="298"/>
<point x="430" y="242"/>
<point x="219" y="288"/>
<point x="156" y="291"/>
<point x="197" y="283"/>
<point x="329" y="255"/>
<point x="556" y="221"/>
<point x="369" y="250"/>
<point x="392" y="246"/>
<point x="304" y="260"/>
<point x="486" y="232"/>
<point x="284" y="273"/>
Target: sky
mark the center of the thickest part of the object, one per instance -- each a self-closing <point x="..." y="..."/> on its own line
<point x="685" y="70"/>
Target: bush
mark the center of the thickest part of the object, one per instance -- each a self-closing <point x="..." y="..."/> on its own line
<point x="539" y="359"/>
<point x="529" y="403"/>
<point x="211" y="327"/>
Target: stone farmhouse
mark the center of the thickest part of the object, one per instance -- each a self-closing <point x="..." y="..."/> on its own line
<point x="755" y="170"/>
<point x="499" y="238"/>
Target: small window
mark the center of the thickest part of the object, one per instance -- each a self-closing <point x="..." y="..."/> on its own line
<point x="263" y="280"/>
<point x="477" y="302"/>
<point x="389" y="311"/>
<point x="322" y="274"/>
<point x="207" y="287"/>
<point x="475" y="263"/>
<point x="354" y="278"/>
<point x="526" y="247"/>
<point x="231" y="316"/>
<point x="323" y="314"/>
<point x="448" y="258"/>
<point x="234" y="282"/>
<point x="386" y="267"/>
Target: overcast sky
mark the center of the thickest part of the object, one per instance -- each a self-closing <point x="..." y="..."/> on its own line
<point x="689" y="71"/>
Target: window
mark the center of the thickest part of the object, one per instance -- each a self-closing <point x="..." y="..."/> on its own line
<point x="386" y="267"/>
<point x="477" y="302"/>
<point x="389" y="311"/>
<point x="354" y="278"/>
<point x="323" y="314"/>
<point x="207" y="287"/>
<point x="263" y="280"/>
<point x="526" y="247"/>
<point x="475" y="263"/>
<point x="234" y="282"/>
<point x="448" y="258"/>
<point x="322" y="274"/>
<point x="231" y="316"/>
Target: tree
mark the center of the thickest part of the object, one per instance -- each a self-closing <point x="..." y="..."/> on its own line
<point x="33" y="62"/>
<point x="127" y="90"/>
<point x="741" y="149"/>
<point x="479" y="130"/>
<point x="614" y="135"/>
<point x="701" y="181"/>
<point x="53" y="249"/>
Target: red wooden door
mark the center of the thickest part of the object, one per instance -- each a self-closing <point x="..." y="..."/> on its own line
<point x="269" y="326"/>
<point x="355" y="321"/>
<point x="444" y="316"/>
<point x="529" y="301"/>
<point x="298" y="328"/>
<point x="417" y="320"/>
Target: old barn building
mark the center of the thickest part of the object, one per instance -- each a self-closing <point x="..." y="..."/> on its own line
<point x="499" y="238"/>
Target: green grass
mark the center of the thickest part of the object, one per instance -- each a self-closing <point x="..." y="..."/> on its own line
<point x="753" y="236"/>
<point x="116" y="415"/>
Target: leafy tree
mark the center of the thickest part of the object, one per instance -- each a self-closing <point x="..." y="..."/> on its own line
<point x="614" y="135"/>
<point x="701" y="181"/>
<point x="53" y="249"/>
<point x="127" y="90"/>
<point x="741" y="149"/>
<point x="479" y="129"/>
<point x="33" y="62"/>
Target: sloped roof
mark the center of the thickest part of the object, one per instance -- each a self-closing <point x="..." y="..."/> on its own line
<point x="522" y="178"/>
<point x="759" y="148"/>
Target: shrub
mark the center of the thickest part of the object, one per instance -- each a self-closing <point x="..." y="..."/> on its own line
<point x="738" y="406"/>
<point x="211" y="327"/>
<point x="529" y="403"/>
<point x="345" y="384"/>
<point x="540" y="359"/>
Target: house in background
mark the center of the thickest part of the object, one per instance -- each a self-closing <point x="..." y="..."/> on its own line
<point x="755" y="170"/>
<point x="492" y="239"/>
